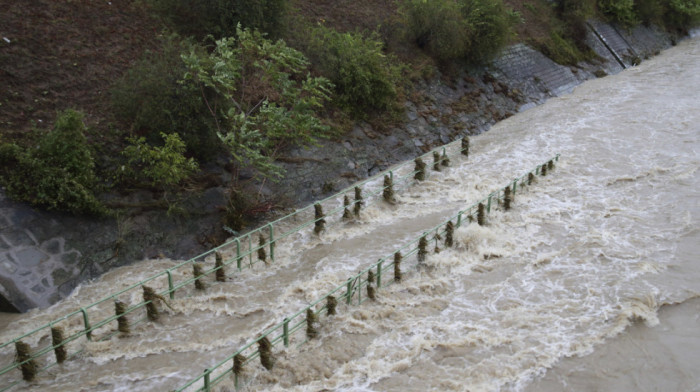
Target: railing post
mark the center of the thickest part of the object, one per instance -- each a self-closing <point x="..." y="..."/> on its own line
<point x="207" y="387"/>
<point x="391" y="175"/>
<point x="171" y="288"/>
<point x="515" y="186"/>
<point x="86" y="322"/>
<point x="250" y="250"/>
<point x="285" y="332"/>
<point x="488" y="204"/>
<point x="379" y="273"/>
<point x="348" y="300"/>
<point x="272" y="243"/>
<point x="459" y="219"/>
<point x="238" y="254"/>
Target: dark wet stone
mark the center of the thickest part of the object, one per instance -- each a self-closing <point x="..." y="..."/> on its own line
<point x="18" y="238"/>
<point x="52" y="246"/>
<point x="60" y="276"/>
<point x="30" y="257"/>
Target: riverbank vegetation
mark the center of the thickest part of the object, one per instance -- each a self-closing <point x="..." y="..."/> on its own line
<point x="144" y="94"/>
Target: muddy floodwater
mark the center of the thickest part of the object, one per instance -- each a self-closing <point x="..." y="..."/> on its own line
<point x="590" y="282"/>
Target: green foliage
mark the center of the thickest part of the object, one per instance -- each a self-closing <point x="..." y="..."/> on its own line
<point x="260" y="95"/>
<point x="164" y="166"/>
<point x="58" y="174"/>
<point x="437" y="26"/>
<point x="650" y="11"/>
<point x="561" y="50"/>
<point x="619" y="11"/>
<point x="678" y="15"/>
<point x="490" y="26"/>
<point x="219" y="18"/>
<point x="463" y="29"/>
<point x="574" y="14"/>
<point x="151" y="98"/>
<point x="365" y="79"/>
<point x="682" y="14"/>
<point x="66" y="147"/>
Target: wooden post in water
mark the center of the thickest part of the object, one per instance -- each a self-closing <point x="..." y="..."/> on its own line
<point x="331" y="304"/>
<point x="388" y="192"/>
<point x="311" y="331"/>
<point x="370" y="287"/>
<point x="346" y="204"/>
<point x="397" y="266"/>
<point x="436" y="161"/>
<point x="422" y="249"/>
<point x="480" y="214"/>
<point x="238" y="360"/>
<point x="320" y="223"/>
<point x="265" y="349"/>
<point x="150" y="296"/>
<point x="262" y="256"/>
<point x="530" y="178"/>
<point x="449" y="234"/>
<point x="506" y="198"/>
<point x="358" y="201"/>
<point x="56" y="340"/>
<point x="220" y="272"/>
<point x="465" y="146"/>
<point x="543" y="170"/>
<point x="30" y="367"/>
<point x="198" y="275"/>
<point x="420" y="170"/>
<point x="122" y="321"/>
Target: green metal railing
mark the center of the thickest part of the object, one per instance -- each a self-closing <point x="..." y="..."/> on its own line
<point x="351" y="290"/>
<point x="94" y="320"/>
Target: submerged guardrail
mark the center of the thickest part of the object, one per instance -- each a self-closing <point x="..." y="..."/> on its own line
<point x="94" y="320"/>
<point x="370" y="278"/>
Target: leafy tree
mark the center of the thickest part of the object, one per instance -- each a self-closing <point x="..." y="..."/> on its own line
<point x="164" y="166"/>
<point x="152" y="98"/>
<point x="260" y="95"/>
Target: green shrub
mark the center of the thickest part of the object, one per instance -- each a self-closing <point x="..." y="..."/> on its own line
<point x="219" y="18"/>
<point x="574" y="14"/>
<point x="163" y="167"/>
<point x="650" y="11"/>
<point x="365" y="79"/>
<point x="619" y="11"/>
<point x="490" y="24"/>
<point x="561" y="50"/>
<point x="151" y="98"/>
<point x="436" y="26"/>
<point x="473" y="30"/>
<point x="58" y="174"/>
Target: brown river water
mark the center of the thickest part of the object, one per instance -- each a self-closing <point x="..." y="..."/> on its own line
<point x="591" y="282"/>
